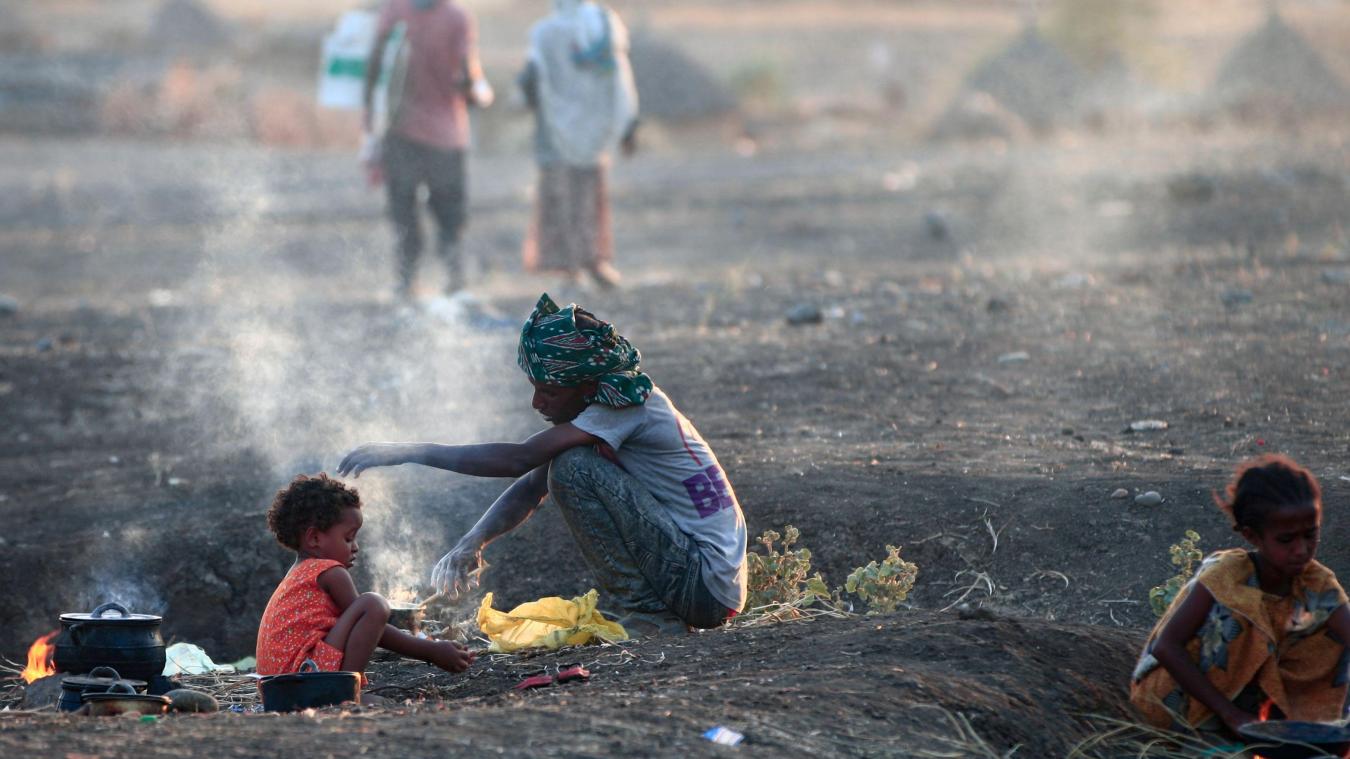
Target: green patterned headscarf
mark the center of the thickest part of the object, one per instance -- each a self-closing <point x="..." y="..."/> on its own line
<point x="555" y="351"/>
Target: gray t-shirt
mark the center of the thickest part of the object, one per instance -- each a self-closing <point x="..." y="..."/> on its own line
<point x="659" y="447"/>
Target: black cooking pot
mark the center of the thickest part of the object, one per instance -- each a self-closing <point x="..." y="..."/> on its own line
<point x="99" y="680"/>
<point x="308" y="689"/>
<point x="110" y="636"/>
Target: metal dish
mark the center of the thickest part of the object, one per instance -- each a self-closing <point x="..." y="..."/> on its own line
<point x="407" y="616"/>
<point x="122" y="698"/>
<point x="1292" y="739"/>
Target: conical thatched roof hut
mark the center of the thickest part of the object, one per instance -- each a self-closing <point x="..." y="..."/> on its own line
<point x="1276" y="68"/>
<point x="1031" y="78"/>
<point x="672" y="86"/>
<point x="188" y="27"/>
<point x="1030" y="85"/>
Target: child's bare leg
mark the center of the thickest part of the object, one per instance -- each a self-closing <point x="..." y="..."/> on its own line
<point x="358" y="630"/>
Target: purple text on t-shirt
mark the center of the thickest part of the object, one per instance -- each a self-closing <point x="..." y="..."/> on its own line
<point x="708" y="491"/>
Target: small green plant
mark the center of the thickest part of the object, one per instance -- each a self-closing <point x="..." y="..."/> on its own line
<point x="780" y="578"/>
<point x="781" y="583"/>
<point x="883" y="585"/>
<point x="1185" y="554"/>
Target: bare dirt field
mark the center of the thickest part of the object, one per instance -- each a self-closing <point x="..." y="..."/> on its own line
<point x="882" y="687"/>
<point x="156" y="400"/>
<point x="196" y="322"/>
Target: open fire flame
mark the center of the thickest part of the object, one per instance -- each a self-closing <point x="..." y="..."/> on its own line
<point x="40" y="658"/>
<point x="1262" y="715"/>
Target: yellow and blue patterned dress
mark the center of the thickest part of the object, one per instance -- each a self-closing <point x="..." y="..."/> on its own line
<point x="1251" y="639"/>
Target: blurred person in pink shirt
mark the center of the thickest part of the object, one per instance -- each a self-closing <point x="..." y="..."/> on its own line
<point x="428" y="126"/>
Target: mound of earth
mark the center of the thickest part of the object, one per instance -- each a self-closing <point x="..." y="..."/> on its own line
<point x="1276" y="70"/>
<point x="907" y="684"/>
<point x="672" y="86"/>
<point x="1031" y="78"/>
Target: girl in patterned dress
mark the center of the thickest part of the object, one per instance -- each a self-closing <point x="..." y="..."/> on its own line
<point x="1258" y="632"/>
<point x="316" y="612"/>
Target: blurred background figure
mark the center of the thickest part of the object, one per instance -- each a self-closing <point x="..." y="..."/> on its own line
<point x="436" y="77"/>
<point x="578" y="81"/>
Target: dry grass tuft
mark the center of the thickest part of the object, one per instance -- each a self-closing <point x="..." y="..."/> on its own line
<point x="959" y="740"/>
<point x="1123" y="738"/>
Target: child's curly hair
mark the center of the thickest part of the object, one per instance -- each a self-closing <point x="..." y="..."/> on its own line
<point x="1263" y="485"/>
<point x="308" y="502"/>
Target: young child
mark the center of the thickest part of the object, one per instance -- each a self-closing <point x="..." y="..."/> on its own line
<point x="316" y="612"/>
<point x="1257" y="633"/>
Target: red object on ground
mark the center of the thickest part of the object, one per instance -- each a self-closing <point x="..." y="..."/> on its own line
<point x="538" y="679"/>
<point x="573" y="672"/>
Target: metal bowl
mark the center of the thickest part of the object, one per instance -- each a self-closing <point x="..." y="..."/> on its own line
<point x="407" y="616"/>
<point x="1292" y="739"/>
<point x="122" y="698"/>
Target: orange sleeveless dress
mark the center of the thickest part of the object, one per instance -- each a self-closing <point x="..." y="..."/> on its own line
<point x="298" y="618"/>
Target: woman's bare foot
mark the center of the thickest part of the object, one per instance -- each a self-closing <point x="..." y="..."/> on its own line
<point x="606" y="276"/>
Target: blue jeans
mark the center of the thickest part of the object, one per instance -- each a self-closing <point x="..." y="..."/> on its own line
<point x="644" y="562"/>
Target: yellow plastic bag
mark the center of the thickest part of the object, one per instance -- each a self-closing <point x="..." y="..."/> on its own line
<point x="547" y="623"/>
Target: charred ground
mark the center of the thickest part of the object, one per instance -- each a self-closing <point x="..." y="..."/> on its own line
<point x="143" y="442"/>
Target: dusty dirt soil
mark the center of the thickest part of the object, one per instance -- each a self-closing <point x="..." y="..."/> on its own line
<point x="183" y="346"/>
<point x="881" y="686"/>
<point x="198" y="322"/>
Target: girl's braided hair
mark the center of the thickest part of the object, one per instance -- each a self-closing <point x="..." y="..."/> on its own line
<point x="1265" y="484"/>
<point x="308" y="502"/>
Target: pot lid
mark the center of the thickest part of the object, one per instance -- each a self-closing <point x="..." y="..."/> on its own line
<point x="133" y="697"/>
<point x="91" y="680"/>
<point x="110" y="613"/>
<point x="309" y="677"/>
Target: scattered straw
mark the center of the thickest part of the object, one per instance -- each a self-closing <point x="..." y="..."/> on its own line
<point x="227" y="689"/>
<point x="981" y="579"/>
<point x="801" y="610"/>
<point x="1123" y="738"/>
<point x="12" y="686"/>
<point x="961" y="741"/>
<point x="1042" y="573"/>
